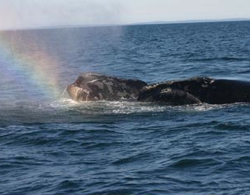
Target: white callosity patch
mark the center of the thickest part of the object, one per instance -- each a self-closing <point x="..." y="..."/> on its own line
<point x="167" y="90"/>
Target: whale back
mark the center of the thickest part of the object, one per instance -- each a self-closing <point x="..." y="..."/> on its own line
<point x="224" y="91"/>
<point x="197" y="87"/>
<point x="208" y="90"/>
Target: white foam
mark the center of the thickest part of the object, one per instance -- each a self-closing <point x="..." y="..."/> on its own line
<point x="128" y="107"/>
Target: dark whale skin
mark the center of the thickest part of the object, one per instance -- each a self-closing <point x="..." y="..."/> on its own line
<point x="199" y="89"/>
<point x="93" y="87"/>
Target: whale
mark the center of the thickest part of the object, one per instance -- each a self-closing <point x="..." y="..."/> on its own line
<point x="196" y="90"/>
<point x="94" y="87"/>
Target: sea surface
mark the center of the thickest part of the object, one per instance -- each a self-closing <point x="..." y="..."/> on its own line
<point x="51" y="145"/>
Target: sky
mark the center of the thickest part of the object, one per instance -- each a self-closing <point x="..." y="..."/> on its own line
<point x="18" y="14"/>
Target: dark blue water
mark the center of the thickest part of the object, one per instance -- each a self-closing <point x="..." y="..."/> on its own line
<point x="53" y="145"/>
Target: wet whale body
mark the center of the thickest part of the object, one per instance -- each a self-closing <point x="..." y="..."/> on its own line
<point x="197" y="90"/>
<point x="93" y="87"/>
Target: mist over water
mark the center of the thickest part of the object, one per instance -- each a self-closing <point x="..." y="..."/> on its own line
<point x="50" y="144"/>
<point x="33" y="14"/>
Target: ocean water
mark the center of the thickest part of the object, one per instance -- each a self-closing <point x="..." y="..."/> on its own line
<point x="50" y="144"/>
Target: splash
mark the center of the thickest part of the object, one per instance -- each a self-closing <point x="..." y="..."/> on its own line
<point x="28" y="59"/>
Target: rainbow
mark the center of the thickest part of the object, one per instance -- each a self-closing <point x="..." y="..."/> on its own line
<point x="28" y="59"/>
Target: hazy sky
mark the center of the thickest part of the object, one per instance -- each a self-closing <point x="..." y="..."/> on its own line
<point x="38" y="13"/>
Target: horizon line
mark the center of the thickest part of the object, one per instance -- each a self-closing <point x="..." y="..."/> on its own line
<point x="128" y="24"/>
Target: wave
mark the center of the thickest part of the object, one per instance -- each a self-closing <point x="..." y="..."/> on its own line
<point x="65" y="110"/>
<point x="230" y="59"/>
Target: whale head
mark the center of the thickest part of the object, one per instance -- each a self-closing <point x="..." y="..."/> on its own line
<point x="77" y="93"/>
<point x="93" y="87"/>
<point x="79" y="90"/>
